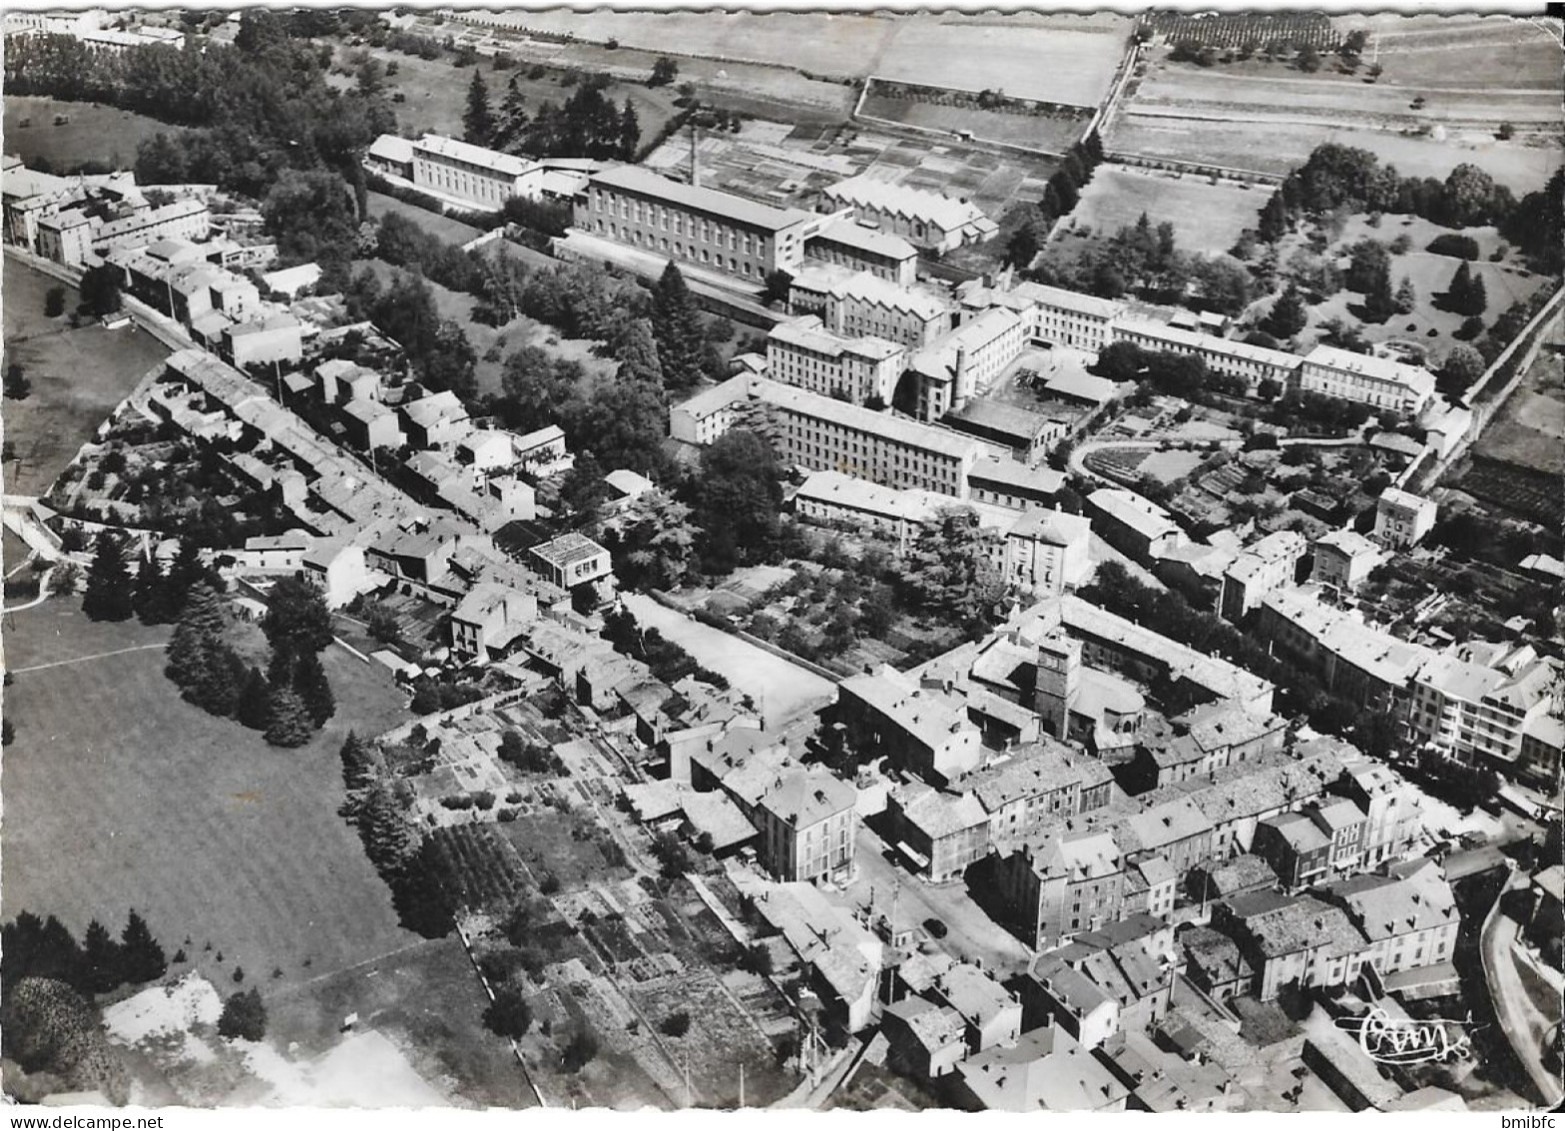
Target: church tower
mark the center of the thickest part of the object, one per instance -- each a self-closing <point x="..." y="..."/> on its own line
<point x="1057" y="682"/>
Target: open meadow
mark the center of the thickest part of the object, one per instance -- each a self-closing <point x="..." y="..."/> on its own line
<point x="1052" y="132"/>
<point x="78" y="377"/>
<point x="95" y="133"/>
<point x="1207" y="218"/>
<point x="119" y="794"/>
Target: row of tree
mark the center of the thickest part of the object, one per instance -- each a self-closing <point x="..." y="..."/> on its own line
<point x="31" y="947"/>
<point x="1060" y="195"/>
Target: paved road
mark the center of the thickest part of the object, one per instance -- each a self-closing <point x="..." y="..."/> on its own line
<point x="781" y="690"/>
<point x="1519" y="1019"/>
<point x="972" y="934"/>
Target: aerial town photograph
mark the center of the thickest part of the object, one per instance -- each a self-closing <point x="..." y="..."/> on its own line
<point x="821" y="560"/>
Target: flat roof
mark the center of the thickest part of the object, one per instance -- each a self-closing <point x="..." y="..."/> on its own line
<point x="633" y="178"/>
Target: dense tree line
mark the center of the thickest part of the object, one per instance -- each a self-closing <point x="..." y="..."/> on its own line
<point x="31" y="947"/>
<point x="587" y="124"/>
<point x="405" y="858"/>
<point x="1177" y="374"/>
<point x="437" y="349"/>
<point x="949" y="571"/>
<point x="1060" y="195"/>
<point x="667" y="660"/>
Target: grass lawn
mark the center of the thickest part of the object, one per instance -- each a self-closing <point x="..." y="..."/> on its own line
<point x="1207" y="218"/>
<point x="1529" y="429"/>
<point x="94" y="133"/>
<point x="118" y="794"/>
<point x="78" y="377"/>
<point x="436" y="224"/>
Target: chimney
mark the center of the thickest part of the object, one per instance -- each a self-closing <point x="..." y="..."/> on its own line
<point x="695" y="157"/>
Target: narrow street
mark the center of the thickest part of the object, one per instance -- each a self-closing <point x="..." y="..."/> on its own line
<point x="1524" y="1025"/>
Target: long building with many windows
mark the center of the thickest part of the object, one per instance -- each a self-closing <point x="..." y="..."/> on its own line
<point x="717" y="230"/>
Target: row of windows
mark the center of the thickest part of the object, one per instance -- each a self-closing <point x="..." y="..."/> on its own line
<point x="678" y="222"/>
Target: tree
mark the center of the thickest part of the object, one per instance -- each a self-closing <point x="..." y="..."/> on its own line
<point x="637" y="351"/>
<point x="1308" y="59"/>
<point x="777" y="287"/>
<point x="1121" y="361"/>
<point x="1288" y="314"/>
<point x="312" y="214"/>
<point x="511" y="122"/>
<point x="581" y="1050"/>
<point x="108" y="595"/>
<point x="652" y="542"/>
<point x="737" y="501"/>
<point x="100" y="960"/>
<point x="152" y="598"/>
<point x="297" y="620"/>
<point x="1023" y="246"/>
<point x="17" y="385"/>
<point x="677" y="329"/>
<point x="535" y="391"/>
<point x="1461" y="367"/>
<point x="309" y="680"/>
<point x="290" y="723"/>
<point x="1274" y="219"/>
<point x="949" y="571"/>
<point x="629" y="131"/>
<point x="1466" y="294"/>
<point x="141" y="958"/>
<point x="664" y="71"/>
<point x="676" y="1024"/>
<point x="1406" y="298"/>
<point x="254" y="709"/>
<point x="243" y="1017"/>
<point x="478" y="119"/>
<point x="54" y="302"/>
<point x="508" y="1015"/>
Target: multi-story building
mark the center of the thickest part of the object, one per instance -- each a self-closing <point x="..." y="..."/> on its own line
<point x="717" y="230"/>
<point x="1298" y="849"/>
<point x="1252" y="364"/>
<point x="1408" y="915"/>
<point x="862" y="247"/>
<point x="1392" y="809"/>
<point x="1066" y="318"/>
<point x="709" y="414"/>
<point x="922" y="730"/>
<point x="941" y="834"/>
<point x="1046" y="551"/>
<point x="1057" y="887"/>
<point x="1403" y="518"/>
<point x="1381" y="382"/>
<point x="484" y="178"/>
<point x="1476" y="702"/>
<point x="1355" y="660"/>
<point x="808" y="825"/>
<point x="570" y="560"/>
<point x="1259" y="569"/>
<point x="802" y="353"/>
<point x="1134" y="525"/>
<point x="489" y="616"/>
<point x="1344" y="559"/>
<point x="1292" y="938"/>
<point x="865" y="305"/>
<point x="966" y="362"/>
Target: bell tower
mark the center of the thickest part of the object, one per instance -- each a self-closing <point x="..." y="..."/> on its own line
<point x="1057" y="682"/>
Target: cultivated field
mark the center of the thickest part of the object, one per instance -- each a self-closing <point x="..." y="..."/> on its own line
<point x="1066" y="59"/>
<point x="1472" y="75"/>
<point x="77" y="376"/>
<point x="1207" y="218"/>
<point x="1052" y="132"/>
<point x="95" y="133"/>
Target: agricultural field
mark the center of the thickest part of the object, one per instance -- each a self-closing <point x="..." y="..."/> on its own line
<point x="78" y="377"/>
<point x="1239" y="29"/>
<point x="1208" y="218"/>
<point x="1267" y="116"/>
<point x="1518" y="460"/>
<point x="98" y="134"/>
<point x="930" y="108"/>
<point x="1065" y="59"/>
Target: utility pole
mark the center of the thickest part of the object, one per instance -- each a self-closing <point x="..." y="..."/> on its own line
<point x="741" y="1085"/>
